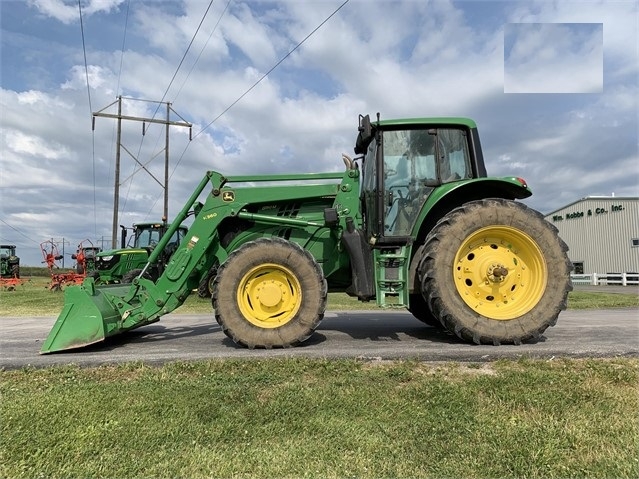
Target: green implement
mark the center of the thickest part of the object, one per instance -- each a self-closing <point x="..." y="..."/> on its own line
<point x="87" y="317"/>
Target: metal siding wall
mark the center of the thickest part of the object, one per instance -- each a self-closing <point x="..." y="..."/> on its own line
<point x="602" y="241"/>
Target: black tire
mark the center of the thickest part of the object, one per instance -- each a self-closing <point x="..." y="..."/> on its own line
<point x="495" y="272"/>
<point x="15" y="271"/>
<point x="95" y="275"/>
<point x="293" y="290"/>
<point x="205" y="288"/>
<point x="420" y="309"/>
<point x="129" y="276"/>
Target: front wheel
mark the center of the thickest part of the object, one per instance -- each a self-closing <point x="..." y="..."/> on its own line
<point x="95" y="275"/>
<point x="129" y="276"/>
<point x="269" y="293"/>
<point x="205" y="288"/>
<point x="495" y="271"/>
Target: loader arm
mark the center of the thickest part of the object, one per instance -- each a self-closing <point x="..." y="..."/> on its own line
<point x="91" y="313"/>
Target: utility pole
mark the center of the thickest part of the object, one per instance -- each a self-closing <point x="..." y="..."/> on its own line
<point x="166" y="165"/>
<point x="167" y="122"/>
<point x="116" y="189"/>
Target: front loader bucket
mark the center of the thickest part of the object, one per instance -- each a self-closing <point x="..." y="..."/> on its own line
<point x="88" y="317"/>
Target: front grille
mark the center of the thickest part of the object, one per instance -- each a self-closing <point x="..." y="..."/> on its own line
<point x="102" y="265"/>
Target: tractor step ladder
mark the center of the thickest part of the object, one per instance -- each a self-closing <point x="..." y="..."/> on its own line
<point x="391" y="276"/>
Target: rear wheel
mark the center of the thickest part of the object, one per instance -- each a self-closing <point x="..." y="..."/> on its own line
<point x="420" y="309"/>
<point x="495" y="271"/>
<point x="269" y="293"/>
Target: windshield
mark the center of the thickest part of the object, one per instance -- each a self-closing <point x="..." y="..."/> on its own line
<point x="415" y="161"/>
<point x="151" y="236"/>
<point x="146" y="237"/>
<point x="6" y="251"/>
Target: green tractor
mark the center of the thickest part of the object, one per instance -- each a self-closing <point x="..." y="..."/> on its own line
<point x="85" y="257"/>
<point x="413" y="222"/>
<point x="124" y="264"/>
<point x="9" y="262"/>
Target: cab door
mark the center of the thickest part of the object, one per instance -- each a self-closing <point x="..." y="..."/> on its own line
<point x="369" y="196"/>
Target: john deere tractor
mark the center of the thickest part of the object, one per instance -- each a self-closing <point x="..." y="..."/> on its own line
<point x="413" y="222"/>
<point x="124" y="264"/>
<point x="85" y="256"/>
<point x="9" y="262"/>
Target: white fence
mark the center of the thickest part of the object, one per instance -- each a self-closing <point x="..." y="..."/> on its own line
<point x="611" y="279"/>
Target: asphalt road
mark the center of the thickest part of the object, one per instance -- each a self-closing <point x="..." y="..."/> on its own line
<point x="375" y="334"/>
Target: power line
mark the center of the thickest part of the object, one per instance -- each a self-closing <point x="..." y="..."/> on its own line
<point x="273" y="68"/>
<point x="180" y="64"/>
<point x="86" y="72"/>
<point x="202" y="50"/>
<point x="187" y="50"/>
<point x="18" y="231"/>
<point x="126" y="23"/>
<point x="84" y="50"/>
<point x="259" y="81"/>
<point x="169" y="86"/>
<point x="187" y="78"/>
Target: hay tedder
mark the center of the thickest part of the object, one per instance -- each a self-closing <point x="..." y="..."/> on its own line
<point x="85" y="257"/>
<point x="51" y="256"/>
<point x="412" y="222"/>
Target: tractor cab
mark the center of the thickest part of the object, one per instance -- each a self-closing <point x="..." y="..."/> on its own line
<point x="7" y="251"/>
<point x="9" y="262"/>
<point x="85" y="256"/>
<point x="404" y="161"/>
<point x="148" y="235"/>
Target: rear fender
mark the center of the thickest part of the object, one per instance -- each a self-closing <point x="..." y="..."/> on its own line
<point x="452" y="195"/>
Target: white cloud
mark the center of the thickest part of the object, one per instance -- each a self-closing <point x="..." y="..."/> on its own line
<point x="99" y="78"/>
<point x="554" y="58"/>
<point x="259" y="45"/>
<point x="20" y="143"/>
<point x="68" y="12"/>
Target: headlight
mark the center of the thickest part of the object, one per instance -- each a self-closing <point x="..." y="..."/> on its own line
<point x="106" y="258"/>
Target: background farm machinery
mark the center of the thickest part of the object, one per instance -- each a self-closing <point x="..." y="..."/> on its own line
<point x="9" y="267"/>
<point x="85" y="262"/>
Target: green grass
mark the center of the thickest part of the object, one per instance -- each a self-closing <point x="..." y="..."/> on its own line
<point x="319" y="418"/>
<point x="591" y="300"/>
<point x="34" y="298"/>
<point x="323" y="418"/>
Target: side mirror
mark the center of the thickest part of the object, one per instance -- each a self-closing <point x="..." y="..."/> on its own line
<point x="365" y="134"/>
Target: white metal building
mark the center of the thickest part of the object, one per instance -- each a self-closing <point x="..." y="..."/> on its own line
<point x="602" y="233"/>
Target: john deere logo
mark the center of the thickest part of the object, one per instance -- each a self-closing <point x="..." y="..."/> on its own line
<point x="228" y="196"/>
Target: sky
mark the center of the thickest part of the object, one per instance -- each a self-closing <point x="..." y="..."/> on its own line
<point x="277" y="87"/>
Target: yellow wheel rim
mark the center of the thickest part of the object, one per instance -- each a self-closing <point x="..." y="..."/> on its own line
<point x="500" y="272"/>
<point x="269" y="295"/>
